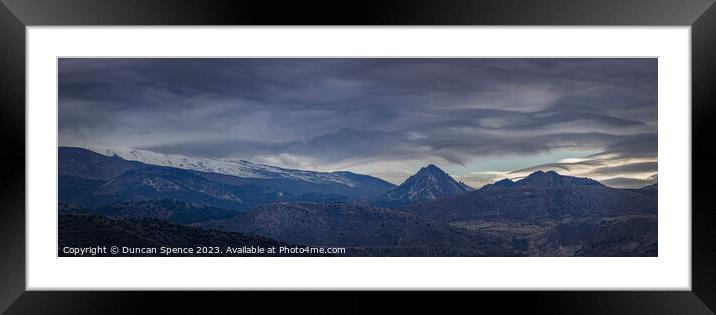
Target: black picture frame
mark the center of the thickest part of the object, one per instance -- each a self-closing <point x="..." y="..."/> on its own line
<point x="16" y="15"/>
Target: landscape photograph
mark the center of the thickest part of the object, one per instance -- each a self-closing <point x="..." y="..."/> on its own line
<point x="357" y="157"/>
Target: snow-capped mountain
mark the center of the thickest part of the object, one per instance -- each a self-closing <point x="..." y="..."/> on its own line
<point x="238" y="168"/>
<point x="91" y="179"/>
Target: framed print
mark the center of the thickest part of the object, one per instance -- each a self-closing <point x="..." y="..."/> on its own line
<point x="549" y="153"/>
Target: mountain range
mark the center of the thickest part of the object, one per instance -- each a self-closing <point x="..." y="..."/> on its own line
<point x="547" y="214"/>
<point x="90" y="179"/>
<point x="238" y="168"/>
<point x="430" y="214"/>
<point x="541" y="195"/>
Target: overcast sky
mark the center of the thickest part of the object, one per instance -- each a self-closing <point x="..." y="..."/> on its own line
<point x="480" y="120"/>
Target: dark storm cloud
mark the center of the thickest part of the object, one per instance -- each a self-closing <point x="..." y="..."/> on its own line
<point x="329" y="111"/>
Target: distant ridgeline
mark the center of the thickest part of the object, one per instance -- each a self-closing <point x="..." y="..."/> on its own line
<point x="148" y="199"/>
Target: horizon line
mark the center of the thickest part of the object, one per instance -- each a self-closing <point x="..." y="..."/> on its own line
<point x="514" y="179"/>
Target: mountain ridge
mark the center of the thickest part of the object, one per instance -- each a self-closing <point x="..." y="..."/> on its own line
<point x="238" y="168"/>
<point x="539" y="195"/>
<point x="91" y="180"/>
<point x="549" y="179"/>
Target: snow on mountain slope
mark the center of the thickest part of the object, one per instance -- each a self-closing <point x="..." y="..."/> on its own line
<point x="238" y="168"/>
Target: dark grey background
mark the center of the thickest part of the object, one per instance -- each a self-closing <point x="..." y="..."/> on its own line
<point x="16" y="14"/>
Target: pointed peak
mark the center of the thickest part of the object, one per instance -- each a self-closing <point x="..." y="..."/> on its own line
<point x="430" y="168"/>
<point x="429" y="183"/>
